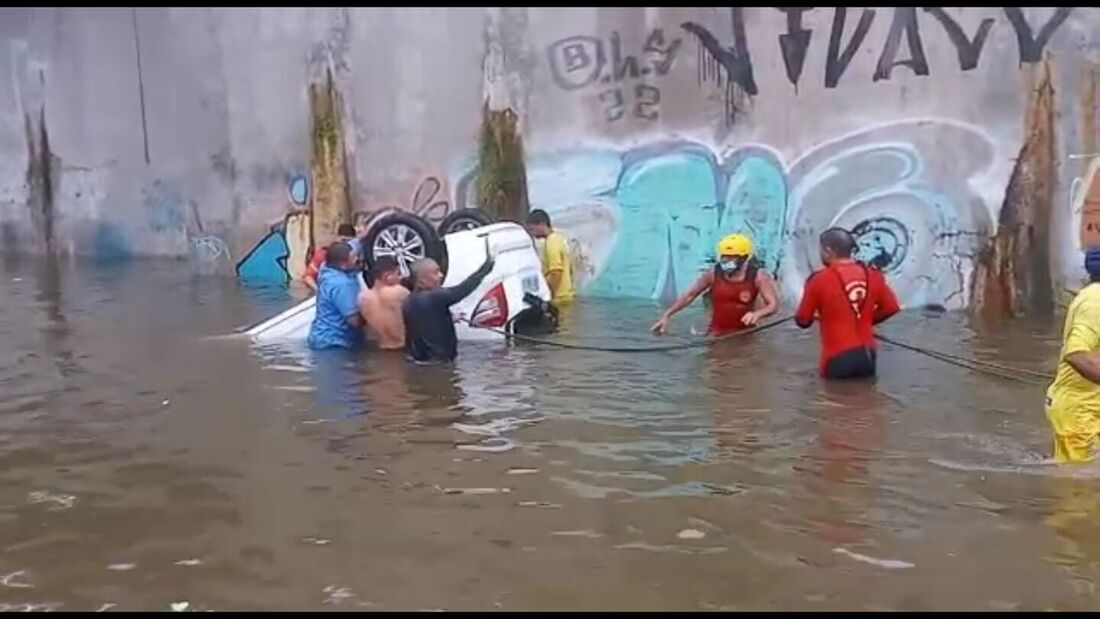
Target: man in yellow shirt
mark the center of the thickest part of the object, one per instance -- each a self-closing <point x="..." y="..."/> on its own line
<point x="1073" y="400"/>
<point x="556" y="265"/>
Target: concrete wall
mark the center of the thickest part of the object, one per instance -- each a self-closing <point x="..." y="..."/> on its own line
<point x="649" y="132"/>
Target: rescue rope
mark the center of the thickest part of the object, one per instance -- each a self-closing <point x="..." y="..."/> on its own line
<point x="665" y="348"/>
<point x="1023" y="375"/>
<point x="1006" y="372"/>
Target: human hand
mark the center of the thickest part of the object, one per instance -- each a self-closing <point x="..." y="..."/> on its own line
<point x="660" y="327"/>
<point x="749" y="319"/>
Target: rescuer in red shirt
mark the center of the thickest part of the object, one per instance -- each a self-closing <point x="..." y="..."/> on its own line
<point x="848" y="298"/>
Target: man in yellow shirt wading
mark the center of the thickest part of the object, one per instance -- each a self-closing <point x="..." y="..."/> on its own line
<point x="1073" y="400"/>
<point x="556" y="265"/>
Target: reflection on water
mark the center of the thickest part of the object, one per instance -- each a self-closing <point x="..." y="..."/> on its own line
<point x="149" y="463"/>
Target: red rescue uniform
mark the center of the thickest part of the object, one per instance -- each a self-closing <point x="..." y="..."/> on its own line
<point x="848" y="299"/>
<point x="731" y="300"/>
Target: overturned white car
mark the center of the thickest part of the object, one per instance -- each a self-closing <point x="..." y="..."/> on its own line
<point x="514" y="297"/>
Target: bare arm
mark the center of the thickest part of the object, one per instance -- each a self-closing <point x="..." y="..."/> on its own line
<point x="769" y="293"/>
<point x="887" y="304"/>
<point x="699" y="287"/>
<point x="807" y="307"/>
<point x="1087" y="365"/>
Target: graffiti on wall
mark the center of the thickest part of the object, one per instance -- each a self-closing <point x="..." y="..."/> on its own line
<point x="172" y="217"/>
<point x="298" y="189"/>
<point x="267" y="260"/>
<point x="732" y="65"/>
<point x="282" y="254"/>
<point x="646" y="220"/>
<point x="429" y="200"/>
<point x="1085" y="201"/>
<point x="620" y="82"/>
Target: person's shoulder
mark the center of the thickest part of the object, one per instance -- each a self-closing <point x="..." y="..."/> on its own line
<point x="1087" y="302"/>
<point x="876" y="275"/>
<point x="557" y="239"/>
<point x="1089" y="294"/>
<point x="393" y="293"/>
<point x="815" y="276"/>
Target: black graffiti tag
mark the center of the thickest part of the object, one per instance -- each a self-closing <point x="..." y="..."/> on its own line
<point x="905" y="23"/>
<point x="581" y="61"/>
<point x="576" y="62"/>
<point x="969" y="50"/>
<point x="735" y="61"/>
<point x="883" y="242"/>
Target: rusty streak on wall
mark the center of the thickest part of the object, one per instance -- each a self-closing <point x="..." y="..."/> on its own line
<point x="1013" y="274"/>
<point x="1089" y="232"/>
<point x="40" y="177"/>
<point x="330" y="205"/>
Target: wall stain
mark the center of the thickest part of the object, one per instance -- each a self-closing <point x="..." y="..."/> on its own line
<point x="1013" y="273"/>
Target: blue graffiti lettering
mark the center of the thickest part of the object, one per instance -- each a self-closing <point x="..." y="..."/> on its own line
<point x="267" y="261"/>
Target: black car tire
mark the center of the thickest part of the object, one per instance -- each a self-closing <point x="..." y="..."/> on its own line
<point x="464" y="219"/>
<point x="404" y="236"/>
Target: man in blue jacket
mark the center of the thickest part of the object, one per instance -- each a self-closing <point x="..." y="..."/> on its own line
<point x="337" y="323"/>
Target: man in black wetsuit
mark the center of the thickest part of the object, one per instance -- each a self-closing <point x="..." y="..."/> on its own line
<point x="429" y="328"/>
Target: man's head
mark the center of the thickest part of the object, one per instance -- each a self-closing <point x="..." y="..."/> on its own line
<point x="836" y="244"/>
<point x="426" y="274"/>
<point x="345" y="232"/>
<point x="734" y="252"/>
<point x="538" y="224"/>
<point x="386" y="272"/>
<point x="340" y="256"/>
<point x="1092" y="263"/>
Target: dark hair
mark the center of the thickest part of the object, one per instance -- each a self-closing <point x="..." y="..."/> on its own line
<point x="382" y="266"/>
<point x="538" y="217"/>
<point x="839" y="241"/>
<point x="338" y="254"/>
<point x="345" y="230"/>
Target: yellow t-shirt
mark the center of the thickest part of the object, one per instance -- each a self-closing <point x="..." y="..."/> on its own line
<point x="555" y="257"/>
<point x="1073" y="401"/>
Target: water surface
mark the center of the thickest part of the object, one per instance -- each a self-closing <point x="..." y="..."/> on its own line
<point x="147" y="462"/>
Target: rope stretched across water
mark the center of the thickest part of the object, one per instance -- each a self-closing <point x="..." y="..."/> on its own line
<point x="626" y="349"/>
<point x="1007" y="372"/>
<point x="998" y="370"/>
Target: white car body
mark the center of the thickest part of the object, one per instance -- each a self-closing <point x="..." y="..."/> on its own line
<point x="517" y="271"/>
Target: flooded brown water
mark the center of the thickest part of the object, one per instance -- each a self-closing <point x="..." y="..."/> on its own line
<point x="146" y="464"/>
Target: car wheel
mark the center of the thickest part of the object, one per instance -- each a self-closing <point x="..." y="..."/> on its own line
<point x="403" y="236"/>
<point x="464" y="219"/>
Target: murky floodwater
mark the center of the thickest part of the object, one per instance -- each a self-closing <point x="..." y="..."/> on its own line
<point x="145" y="464"/>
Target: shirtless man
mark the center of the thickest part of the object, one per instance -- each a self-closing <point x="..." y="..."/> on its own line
<point x="380" y="304"/>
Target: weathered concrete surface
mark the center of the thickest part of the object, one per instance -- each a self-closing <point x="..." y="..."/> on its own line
<point x="648" y="132"/>
<point x="1013" y="275"/>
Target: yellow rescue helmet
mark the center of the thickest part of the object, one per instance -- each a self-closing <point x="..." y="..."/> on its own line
<point x="735" y="245"/>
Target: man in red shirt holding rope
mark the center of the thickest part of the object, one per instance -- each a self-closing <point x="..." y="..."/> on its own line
<point x="848" y="298"/>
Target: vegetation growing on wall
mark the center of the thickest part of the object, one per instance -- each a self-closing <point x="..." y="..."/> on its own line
<point x="501" y="183"/>
<point x="330" y="204"/>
